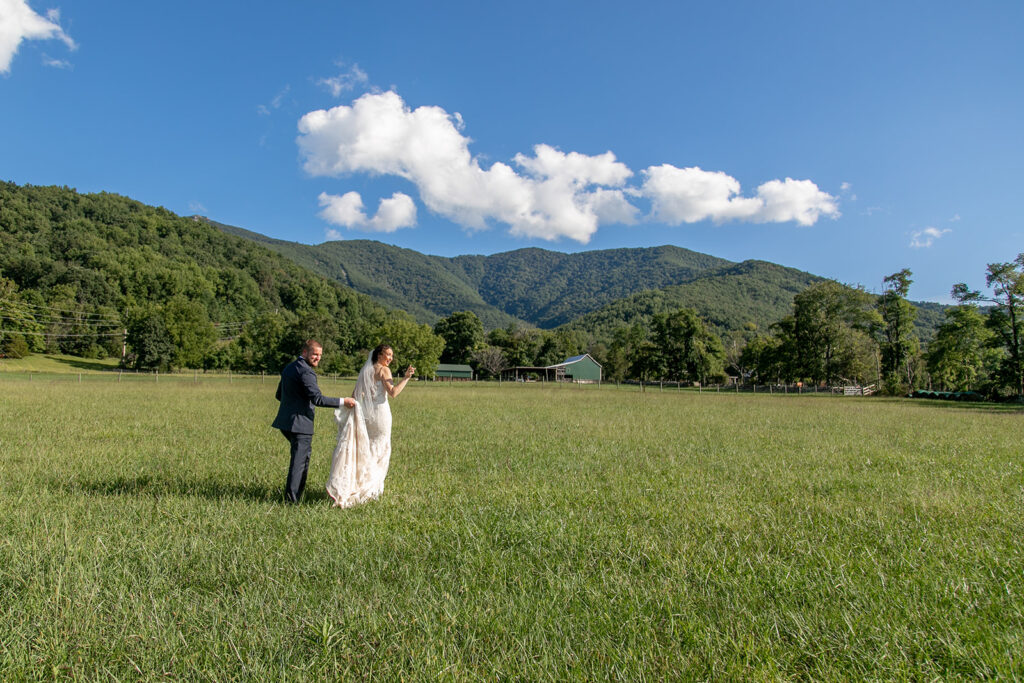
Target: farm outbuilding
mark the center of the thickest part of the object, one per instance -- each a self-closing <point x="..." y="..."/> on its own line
<point x="580" y="368"/>
<point x="447" y="372"/>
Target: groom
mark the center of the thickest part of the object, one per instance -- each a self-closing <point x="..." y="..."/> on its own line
<point x="298" y="393"/>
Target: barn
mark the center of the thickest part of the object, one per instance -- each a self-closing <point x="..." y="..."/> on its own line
<point x="582" y="368"/>
<point x="447" y="372"/>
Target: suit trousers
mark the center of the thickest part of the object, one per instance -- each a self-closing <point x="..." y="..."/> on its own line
<point x="301" y="447"/>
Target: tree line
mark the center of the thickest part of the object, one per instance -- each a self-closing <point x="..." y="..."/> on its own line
<point x="834" y="335"/>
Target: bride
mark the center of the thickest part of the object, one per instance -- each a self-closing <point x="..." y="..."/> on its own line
<point x="363" y="453"/>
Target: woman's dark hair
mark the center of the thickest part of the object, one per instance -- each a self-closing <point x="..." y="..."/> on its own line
<point x="377" y="352"/>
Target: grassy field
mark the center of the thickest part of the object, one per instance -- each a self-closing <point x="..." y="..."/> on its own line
<point x="53" y="363"/>
<point x="532" y="532"/>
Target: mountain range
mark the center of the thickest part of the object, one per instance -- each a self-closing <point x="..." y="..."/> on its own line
<point x="592" y="291"/>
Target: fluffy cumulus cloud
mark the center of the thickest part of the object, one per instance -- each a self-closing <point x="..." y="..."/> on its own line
<point x="922" y="239"/>
<point x="688" y="195"/>
<point x="799" y="201"/>
<point x="18" y="22"/>
<point x="549" y="194"/>
<point x="398" y="211"/>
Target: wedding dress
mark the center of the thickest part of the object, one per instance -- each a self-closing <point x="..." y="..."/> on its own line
<point x="363" y="452"/>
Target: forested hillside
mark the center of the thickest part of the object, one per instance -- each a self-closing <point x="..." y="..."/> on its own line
<point x="419" y="284"/>
<point x="77" y="269"/>
<point x="549" y="288"/>
<point x="592" y="292"/>
<point x="536" y="286"/>
<point x="750" y="295"/>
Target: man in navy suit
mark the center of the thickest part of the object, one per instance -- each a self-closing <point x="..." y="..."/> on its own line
<point x="298" y="393"/>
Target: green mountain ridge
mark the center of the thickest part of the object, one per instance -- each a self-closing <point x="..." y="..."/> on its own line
<point x="535" y="286"/>
<point x="548" y="288"/>
<point x="734" y="297"/>
<point x="395" y="277"/>
<point x="592" y="292"/>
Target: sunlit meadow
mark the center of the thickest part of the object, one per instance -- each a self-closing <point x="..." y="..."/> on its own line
<point x="526" y="531"/>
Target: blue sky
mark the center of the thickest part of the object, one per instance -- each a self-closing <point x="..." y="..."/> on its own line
<point x="846" y="139"/>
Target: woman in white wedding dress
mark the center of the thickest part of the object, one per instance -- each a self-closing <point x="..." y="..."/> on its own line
<point x="363" y="453"/>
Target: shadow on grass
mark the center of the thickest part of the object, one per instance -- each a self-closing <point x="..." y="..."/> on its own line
<point x="85" y="364"/>
<point x="211" y="489"/>
<point x="969" y="406"/>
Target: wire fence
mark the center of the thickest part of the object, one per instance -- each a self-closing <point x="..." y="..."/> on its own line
<point x="117" y="376"/>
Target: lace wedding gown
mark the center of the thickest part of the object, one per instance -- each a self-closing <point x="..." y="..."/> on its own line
<point x="363" y="453"/>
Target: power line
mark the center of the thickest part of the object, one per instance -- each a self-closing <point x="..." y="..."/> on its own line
<point x="63" y="336"/>
<point x="98" y="319"/>
<point x="58" y="321"/>
<point x="50" y="310"/>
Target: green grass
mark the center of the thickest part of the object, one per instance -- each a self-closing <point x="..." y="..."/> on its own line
<point x="531" y="532"/>
<point x="56" y="363"/>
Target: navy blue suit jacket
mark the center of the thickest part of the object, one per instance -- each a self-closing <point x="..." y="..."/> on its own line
<point x="299" y="394"/>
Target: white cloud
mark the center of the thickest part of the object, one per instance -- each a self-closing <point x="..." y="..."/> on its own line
<point x="688" y="195"/>
<point x="398" y="211"/>
<point x="554" y="197"/>
<point x="345" y="81"/>
<point x="922" y="239"/>
<point x="794" y="200"/>
<point x="18" y="23"/>
<point x="275" y="103"/>
<point x="197" y="208"/>
<point x="346" y="210"/>
<point x="550" y="194"/>
<point x="56" y="63"/>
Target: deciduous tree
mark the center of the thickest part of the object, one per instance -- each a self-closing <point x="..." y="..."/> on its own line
<point x="413" y="344"/>
<point x="490" y="360"/>
<point x="149" y="339"/>
<point x="687" y="348"/>
<point x="898" y="342"/>
<point x="1006" y="318"/>
<point x="959" y="356"/>
<point x="829" y="323"/>
<point x="463" y="333"/>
